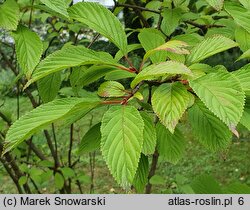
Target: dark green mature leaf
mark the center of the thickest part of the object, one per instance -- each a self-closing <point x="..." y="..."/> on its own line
<point x="243" y="75"/>
<point x="169" y="102"/>
<point x="60" y="109"/>
<point x="91" y="140"/>
<point x="210" y="46"/>
<point x="206" y="184"/>
<point x="29" y="49"/>
<point x="49" y="86"/>
<point x="58" y="6"/>
<point x="9" y="15"/>
<point x="100" y="19"/>
<point x="121" y="143"/>
<point x="150" y="39"/>
<point x="141" y="176"/>
<point x="70" y="56"/>
<point x="111" y="89"/>
<point x="162" y="69"/>
<point x="242" y="37"/>
<point x="209" y="129"/>
<point x="240" y="15"/>
<point x="225" y="100"/>
<point x="171" y="18"/>
<point x="117" y="74"/>
<point x="149" y="134"/>
<point x="170" y="146"/>
<point x="216" y="4"/>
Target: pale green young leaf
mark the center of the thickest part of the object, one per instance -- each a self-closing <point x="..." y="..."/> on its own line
<point x="240" y="14"/>
<point x="29" y="49"/>
<point x="70" y="56"/>
<point x="242" y="37"/>
<point x="141" y="176"/>
<point x="121" y="143"/>
<point x="245" y="3"/>
<point x="243" y="75"/>
<point x="209" y="129"/>
<point x="111" y="89"/>
<point x="216" y="4"/>
<point x="245" y="55"/>
<point x="206" y="184"/>
<point x="100" y="19"/>
<point x="191" y="39"/>
<point x="39" y="118"/>
<point x="170" y="146"/>
<point x="151" y="39"/>
<point x="171" y="18"/>
<point x="245" y="120"/>
<point x="9" y="15"/>
<point x="169" y="102"/>
<point x="208" y="47"/>
<point x="154" y="71"/>
<point x="58" y="6"/>
<point x="174" y="46"/>
<point x="91" y="140"/>
<point x="222" y="93"/>
<point x="149" y="134"/>
<point x="49" y="86"/>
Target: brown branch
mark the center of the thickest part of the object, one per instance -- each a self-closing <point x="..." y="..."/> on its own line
<point x="203" y="26"/>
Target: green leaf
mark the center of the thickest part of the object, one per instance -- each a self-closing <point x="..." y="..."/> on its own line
<point x="216" y="4"/>
<point x="243" y="75"/>
<point x="22" y="180"/>
<point x="9" y="15"/>
<point x="141" y="176"/>
<point x="206" y="184"/>
<point x="121" y="143"/>
<point x="118" y="74"/>
<point x="245" y="120"/>
<point x="245" y="3"/>
<point x="221" y="92"/>
<point x="150" y="39"/>
<point x="67" y="57"/>
<point x="67" y="172"/>
<point x="210" y="46"/>
<point x="240" y="15"/>
<point x="93" y="73"/>
<point x="245" y="55"/>
<point x="49" y="86"/>
<point x="149" y="134"/>
<point x="169" y="102"/>
<point x="131" y="48"/>
<point x="154" y="71"/>
<point x="171" y="18"/>
<point x="29" y="49"/>
<point x="111" y="89"/>
<point x="242" y="37"/>
<point x="157" y="180"/>
<point x="100" y="19"/>
<point x="237" y="188"/>
<point x="170" y="146"/>
<point x="59" y="181"/>
<point x="174" y="46"/>
<point x="91" y="140"/>
<point x="209" y="130"/>
<point x="58" y="6"/>
<point x="42" y="116"/>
